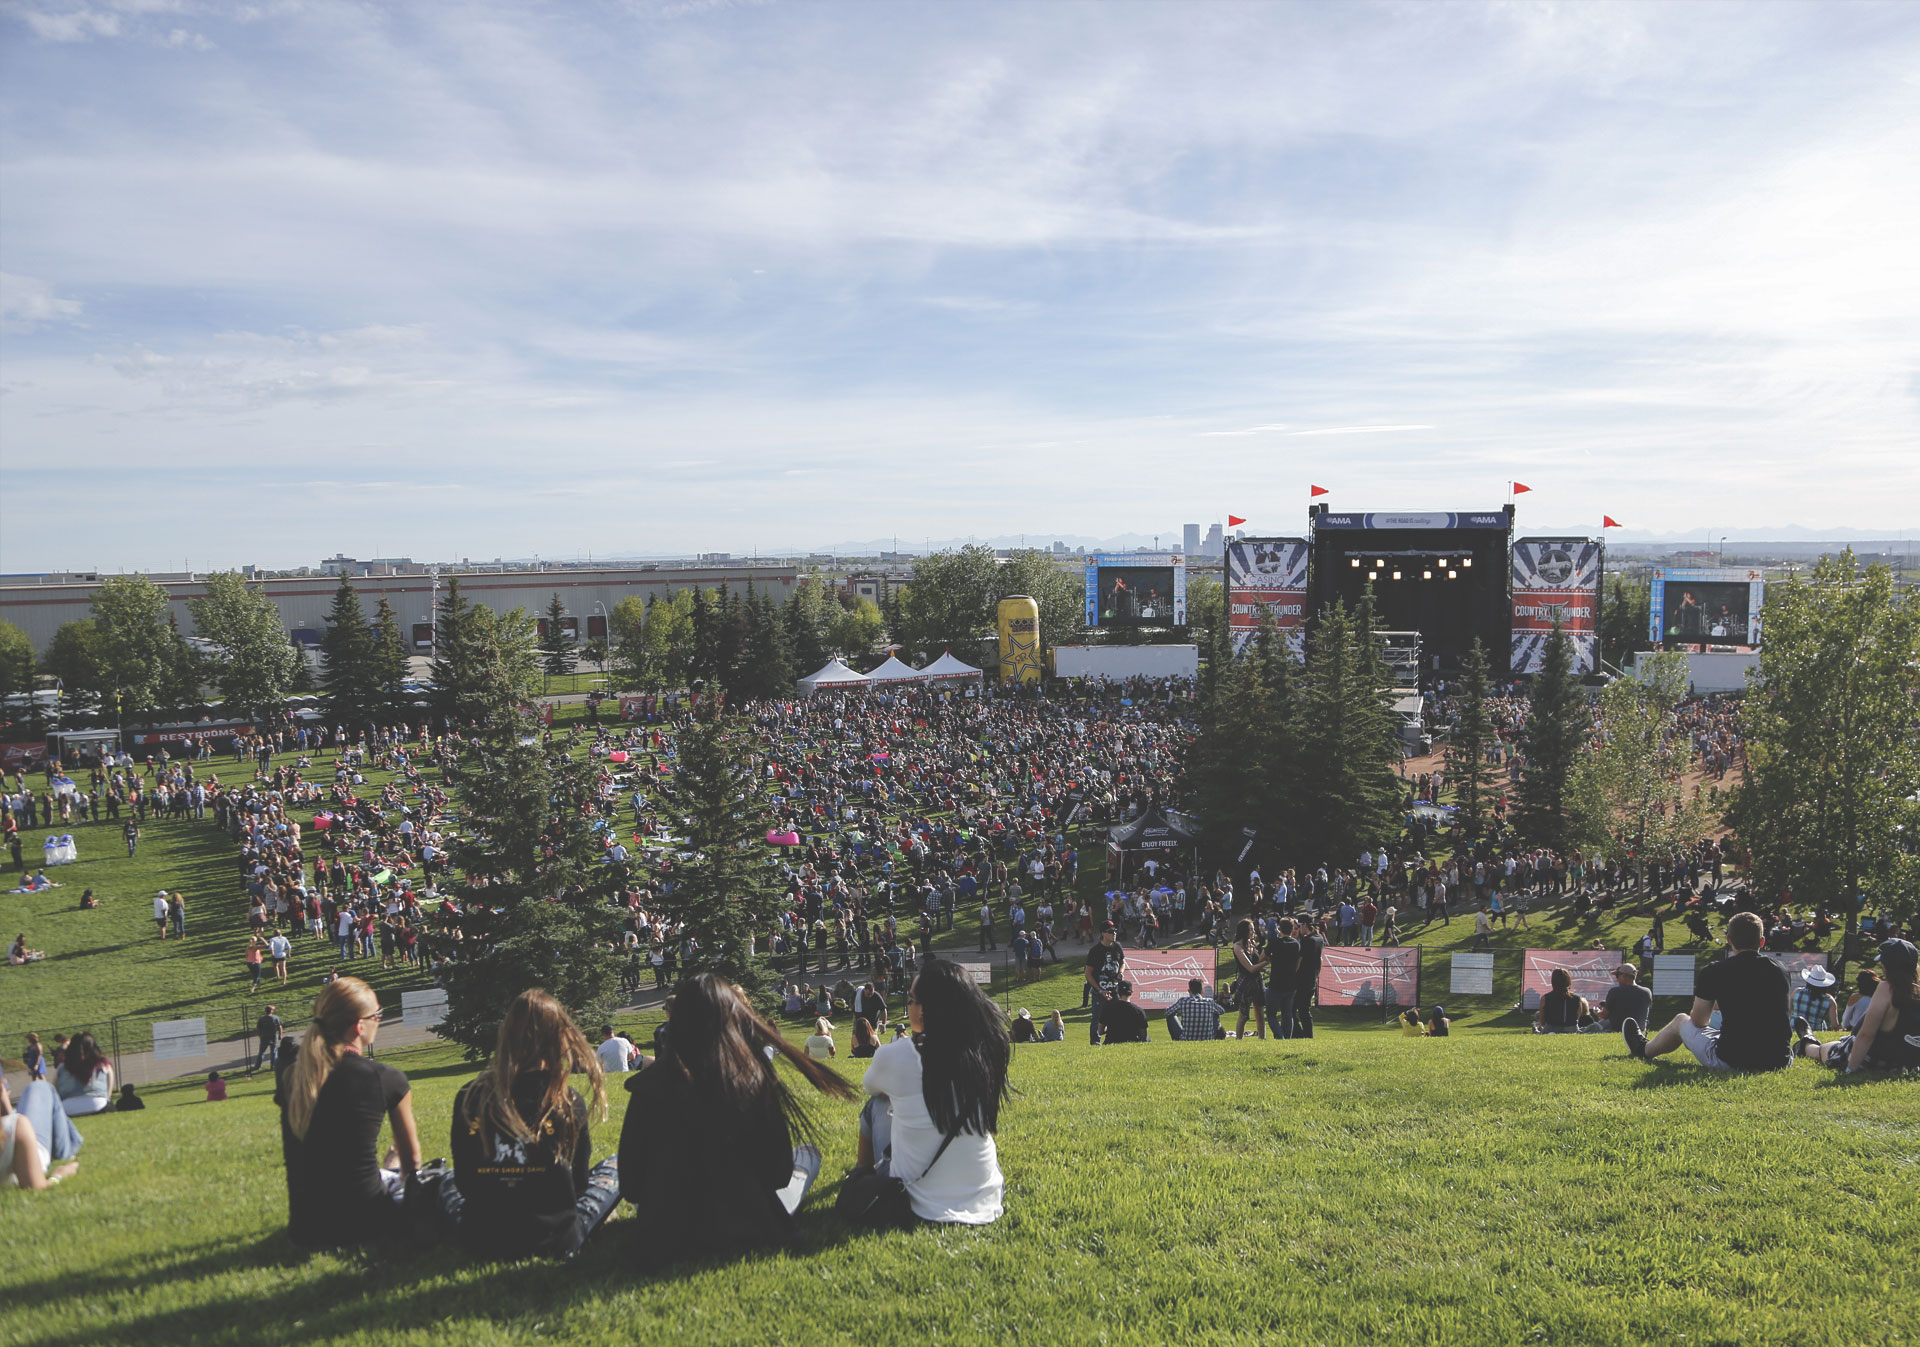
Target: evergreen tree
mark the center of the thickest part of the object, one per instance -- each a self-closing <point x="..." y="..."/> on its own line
<point x="809" y="617"/>
<point x="556" y="644"/>
<point x="1467" y="745"/>
<point x="388" y="666"/>
<point x="726" y="892"/>
<point x="458" y="660"/>
<point x="346" y="650"/>
<point x="1272" y="659"/>
<point x="1558" y="723"/>
<point x="534" y="887"/>
<point x="1230" y="766"/>
<point x="769" y="665"/>
<point x="1351" y="795"/>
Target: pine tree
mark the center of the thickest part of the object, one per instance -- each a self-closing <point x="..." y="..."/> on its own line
<point x="1559" y="720"/>
<point x="725" y="893"/>
<point x="769" y="664"/>
<point x="346" y="650"/>
<point x="1229" y="767"/>
<point x="535" y="888"/>
<point x="1467" y="745"/>
<point x="458" y="659"/>
<point x="556" y="645"/>
<point x="388" y="665"/>
<point x="1351" y="795"/>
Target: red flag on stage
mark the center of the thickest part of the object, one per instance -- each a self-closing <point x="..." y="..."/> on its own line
<point x="1607" y="521"/>
<point x="1518" y="487"/>
<point x="1313" y="491"/>
<point x="1234" y="519"/>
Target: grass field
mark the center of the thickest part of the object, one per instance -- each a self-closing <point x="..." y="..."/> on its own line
<point x="1355" y="1188"/>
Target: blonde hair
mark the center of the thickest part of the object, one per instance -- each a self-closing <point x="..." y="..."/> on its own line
<point x="537" y="1034"/>
<point x="823" y="1027"/>
<point x="341" y="1005"/>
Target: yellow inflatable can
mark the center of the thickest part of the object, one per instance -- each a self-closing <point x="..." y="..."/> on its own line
<point x="1019" y="640"/>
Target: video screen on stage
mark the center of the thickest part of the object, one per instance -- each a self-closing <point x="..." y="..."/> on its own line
<point x="1717" y="607"/>
<point x="1136" y="591"/>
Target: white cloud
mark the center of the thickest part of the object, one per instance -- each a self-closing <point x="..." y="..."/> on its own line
<point x="73" y="25"/>
<point x="28" y="303"/>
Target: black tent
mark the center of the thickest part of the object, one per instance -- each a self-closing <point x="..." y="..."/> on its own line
<point x="1155" y="830"/>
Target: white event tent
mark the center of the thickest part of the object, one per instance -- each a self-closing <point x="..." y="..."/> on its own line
<point x="894" y="671"/>
<point x="949" y="667"/>
<point x="833" y="675"/>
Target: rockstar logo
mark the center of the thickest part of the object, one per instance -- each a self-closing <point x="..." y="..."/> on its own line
<point x="1021" y="662"/>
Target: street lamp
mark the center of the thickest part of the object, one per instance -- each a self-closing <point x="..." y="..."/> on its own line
<point x="1723" y="551"/>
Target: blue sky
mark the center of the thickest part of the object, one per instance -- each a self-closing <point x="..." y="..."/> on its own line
<point x="476" y="279"/>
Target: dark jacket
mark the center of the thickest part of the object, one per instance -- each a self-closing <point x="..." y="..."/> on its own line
<point x="704" y="1179"/>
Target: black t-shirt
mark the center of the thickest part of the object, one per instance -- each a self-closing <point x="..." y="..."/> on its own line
<point x="1629" y="1002"/>
<point x="268" y="1029"/>
<point x="1755" y="1031"/>
<point x="1124" y="1022"/>
<point x="1310" y="946"/>
<point x="334" y="1192"/>
<point x="1560" y="1010"/>
<point x="1283" y="961"/>
<point x="1105" y="961"/>
<point x="520" y="1195"/>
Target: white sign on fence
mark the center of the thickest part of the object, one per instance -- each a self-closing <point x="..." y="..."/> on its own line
<point x="1673" y="975"/>
<point x="174" y="1039"/>
<point x="981" y="973"/>
<point x="423" y="1009"/>
<point x="1472" y="975"/>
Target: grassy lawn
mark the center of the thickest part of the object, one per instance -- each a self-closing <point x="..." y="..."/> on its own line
<point x="1360" y="1187"/>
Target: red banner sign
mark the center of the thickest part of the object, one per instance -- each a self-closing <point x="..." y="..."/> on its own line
<point x="1159" y="976"/>
<point x="1369" y="977"/>
<point x="150" y="738"/>
<point x="1590" y="969"/>
<point x="22" y="757"/>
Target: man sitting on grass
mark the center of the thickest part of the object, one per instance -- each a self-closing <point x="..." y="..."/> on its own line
<point x="1626" y="1000"/>
<point x="1122" y="1020"/>
<point x="1751" y="994"/>
<point x="1195" y="1016"/>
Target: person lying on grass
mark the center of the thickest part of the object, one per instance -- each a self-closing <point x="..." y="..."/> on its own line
<point x="335" y="1099"/>
<point x="706" y="1153"/>
<point x="1889" y="1035"/>
<point x="523" y="1180"/>
<point x="27" y="1148"/>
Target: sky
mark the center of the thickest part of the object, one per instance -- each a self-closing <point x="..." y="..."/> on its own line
<point x="478" y="279"/>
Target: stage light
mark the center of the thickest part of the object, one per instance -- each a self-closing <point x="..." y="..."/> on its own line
<point x="1443" y="563"/>
<point x="1396" y="575"/>
<point x="1379" y="564"/>
<point x="1373" y="575"/>
<point x="1356" y="563"/>
<point x="1453" y="575"/>
<point x="1426" y="575"/>
<point x="1466" y="561"/>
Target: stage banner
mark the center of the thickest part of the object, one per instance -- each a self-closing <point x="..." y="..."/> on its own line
<point x="1159" y="976"/>
<point x="1369" y="977"/>
<point x="1472" y="975"/>
<point x="1556" y="578"/>
<point x="1267" y="575"/>
<point x="1592" y="971"/>
<point x="1673" y="974"/>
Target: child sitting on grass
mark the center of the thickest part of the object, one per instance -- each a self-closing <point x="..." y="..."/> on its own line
<point x="216" y="1087"/>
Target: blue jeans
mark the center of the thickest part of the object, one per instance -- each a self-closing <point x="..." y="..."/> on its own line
<point x="39" y="1103"/>
<point x="1280" y="1011"/>
<point x="1366" y="937"/>
<point x="1093" y="1024"/>
<point x="590" y="1209"/>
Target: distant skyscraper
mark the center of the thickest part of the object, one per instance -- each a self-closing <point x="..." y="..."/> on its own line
<point x="1215" y="547"/>
<point x="1189" y="538"/>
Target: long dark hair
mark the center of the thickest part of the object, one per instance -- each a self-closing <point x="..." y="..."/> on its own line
<point x="83" y="1060"/>
<point x="964" y="1047"/>
<point x="717" y="1041"/>
<point x="537" y="1033"/>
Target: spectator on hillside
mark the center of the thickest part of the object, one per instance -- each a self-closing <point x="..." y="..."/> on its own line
<point x="334" y="1100"/>
<point x="1055" y="1029"/>
<point x="1106" y="967"/>
<point x="18" y="953"/>
<point x="936" y="1102"/>
<point x="524" y="1181"/>
<point x="1749" y="991"/>
<point x="33" y="1059"/>
<point x="1022" y="1028"/>
<point x="1249" y="993"/>
<point x="865" y="1041"/>
<point x="84" y="1078"/>
<point x="1123" y="1021"/>
<point x="1626" y="1000"/>
<point x="34" y="1134"/>
<point x="1813" y="1003"/>
<point x="1307" y="981"/>
<point x="820" y="1044"/>
<point x="706" y="1153"/>
<point x="616" y="1052"/>
<point x="216" y="1088"/>
<point x="1410" y="1025"/>
<point x="268" y="1031"/>
<point x="1438" y="1025"/>
<point x="1283" y="978"/>
<point x="1195" y="1016"/>
<point x="1889" y="1035"/>
<point x="1865" y="983"/>
<point x="1560" y="1011"/>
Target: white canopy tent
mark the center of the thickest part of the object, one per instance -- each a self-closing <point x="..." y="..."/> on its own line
<point x="894" y="671"/>
<point x="949" y="667"/>
<point x="833" y="675"/>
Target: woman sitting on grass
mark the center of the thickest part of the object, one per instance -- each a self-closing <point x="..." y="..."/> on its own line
<point x="335" y="1098"/>
<point x="85" y="1078"/>
<point x="1560" y="1010"/>
<point x="706" y="1153"/>
<point x="936" y="1100"/>
<point x="524" y="1181"/>
<point x="1889" y="1035"/>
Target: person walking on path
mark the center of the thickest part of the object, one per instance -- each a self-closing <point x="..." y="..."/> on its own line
<point x="268" y="1031"/>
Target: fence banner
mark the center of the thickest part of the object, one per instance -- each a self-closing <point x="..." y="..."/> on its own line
<point x="1369" y="977"/>
<point x="1472" y="975"/>
<point x="173" y="1039"/>
<point x="1673" y="974"/>
<point x="1592" y="971"/>
<point x="423" y="1009"/>
<point x="1159" y="976"/>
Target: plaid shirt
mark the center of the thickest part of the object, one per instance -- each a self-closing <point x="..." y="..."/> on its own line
<point x="1198" y="1017"/>
<point x="1812" y="1003"/>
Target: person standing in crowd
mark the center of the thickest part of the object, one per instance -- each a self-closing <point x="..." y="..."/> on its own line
<point x="1106" y="967"/>
<point x="936" y="1101"/>
<point x="524" y="1181"/>
<point x="1750" y="993"/>
<point x="1283" y="975"/>
<point x="1307" y="983"/>
<point x="1249" y="993"/>
<point x="336" y="1097"/>
<point x="162" y="909"/>
<point x="268" y="1031"/>
<point x="706" y="1152"/>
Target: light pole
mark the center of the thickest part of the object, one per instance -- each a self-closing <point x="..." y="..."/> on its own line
<point x="1723" y="551"/>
